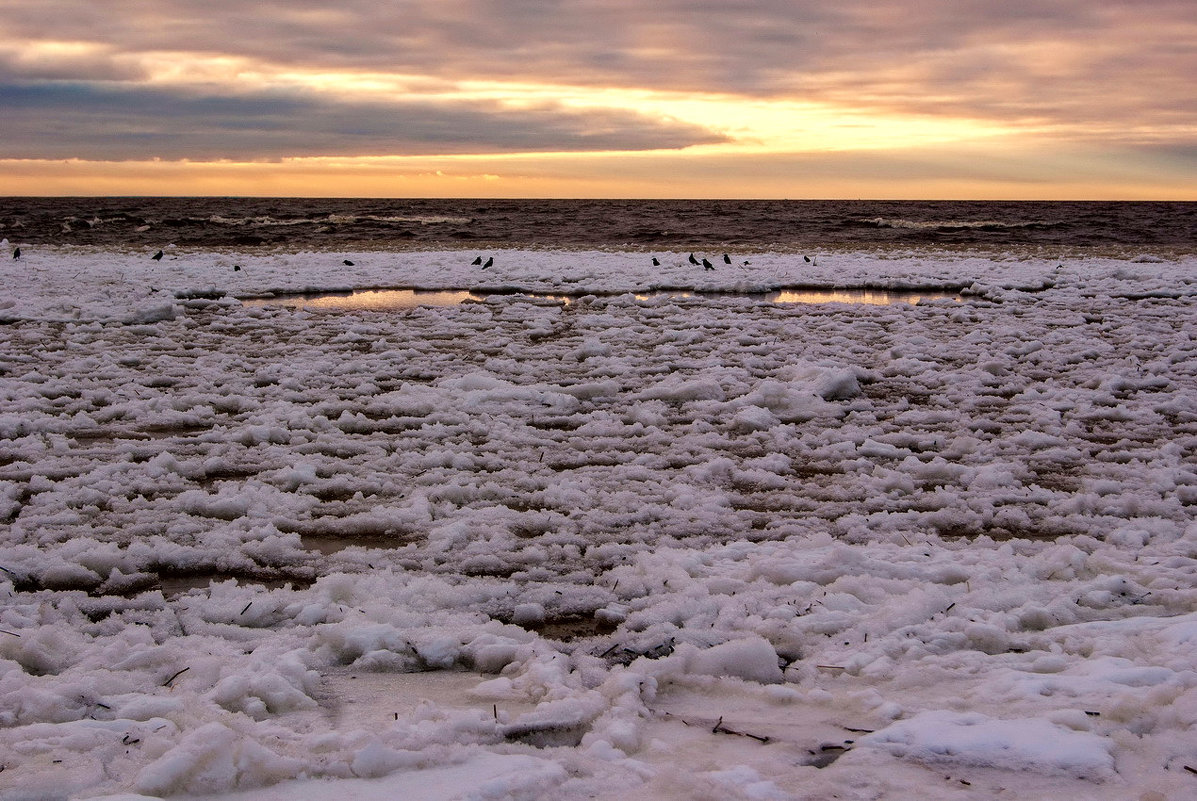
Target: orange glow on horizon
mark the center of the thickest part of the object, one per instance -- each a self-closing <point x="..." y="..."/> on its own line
<point x="637" y="175"/>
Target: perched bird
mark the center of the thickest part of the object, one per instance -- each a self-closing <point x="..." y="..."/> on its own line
<point x="692" y="259"/>
<point x="347" y="263"/>
<point x="157" y="256"/>
<point x="656" y="262"/>
<point x="489" y="262"/>
<point x="477" y="261"/>
<point x="806" y="259"/>
<point x="747" y="262"/>
<point x="726" y="259"/>
<point x="236" y="268"/>
<point x="16" y="254"/>
<point x="707" y="264"/>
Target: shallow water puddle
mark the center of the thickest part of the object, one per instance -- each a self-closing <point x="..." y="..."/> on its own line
<point x="867" y="297"/>
<point x="172" y="586"/>
<point x="742" y="722"/>
<point x="366" y="699"/>
<point x="461" y="777"/>
<point x="400" y="299"/>
<point x="329" y="544"/>
<point x="376" y="299"/>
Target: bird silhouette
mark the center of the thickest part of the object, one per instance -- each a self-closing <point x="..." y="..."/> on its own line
<point x="692" y="259"/>
<point x="157" y="256"/>
<point x="347" y="263"/>
<point x="707" y="264"/>
<point x="489" y="262"/>
<point x="806" y="259"/>
<point x="656" y="262"/>
<point x="236" y="268"/>
<point x="16" y="254"/>
<point x="726" y="259"/>
<point x="477" y="261"/>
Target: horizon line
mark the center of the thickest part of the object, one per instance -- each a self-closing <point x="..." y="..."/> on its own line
<point x="564" y="198"/>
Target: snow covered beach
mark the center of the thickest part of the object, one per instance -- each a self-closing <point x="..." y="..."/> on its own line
<point x="671" y="547"/>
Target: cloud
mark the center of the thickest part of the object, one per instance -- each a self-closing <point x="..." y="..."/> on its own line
<point x="117" y="122"/>
<point x="1059" y="61"/>
<point x="51" y="61"/>
<point x="128" y="80"/>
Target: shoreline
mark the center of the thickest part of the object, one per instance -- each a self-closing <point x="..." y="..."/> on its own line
<point x="71" y="284"/>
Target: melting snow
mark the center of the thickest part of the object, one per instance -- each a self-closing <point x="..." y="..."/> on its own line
<point x="663" y="547"/>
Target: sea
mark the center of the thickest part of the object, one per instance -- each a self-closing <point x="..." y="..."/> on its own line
<point x="1100" y="228"/>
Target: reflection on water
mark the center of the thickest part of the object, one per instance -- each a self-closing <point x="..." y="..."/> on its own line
<point x="870" y="297"/>
<point x="375" y="299"/>
<point x="399" y="299"/>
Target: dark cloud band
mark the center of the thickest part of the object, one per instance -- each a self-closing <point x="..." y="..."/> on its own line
<point x="104" y="122"/>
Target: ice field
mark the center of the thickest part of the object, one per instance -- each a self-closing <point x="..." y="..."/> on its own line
<point x="595" y="534"/>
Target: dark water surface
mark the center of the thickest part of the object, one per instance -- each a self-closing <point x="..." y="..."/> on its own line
<point x="346" y="224"/>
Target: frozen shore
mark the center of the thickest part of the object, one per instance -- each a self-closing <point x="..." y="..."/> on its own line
<point x="614" y="548"/>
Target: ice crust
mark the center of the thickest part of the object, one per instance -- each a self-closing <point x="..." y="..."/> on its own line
<point x="674" y="547"/>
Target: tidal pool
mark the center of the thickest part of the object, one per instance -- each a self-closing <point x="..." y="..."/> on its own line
<point x="398" y="299"/>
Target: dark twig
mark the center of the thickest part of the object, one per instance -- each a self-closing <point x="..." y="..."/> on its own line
<point x="721" y="729"/>
<point x="175" y="676"/>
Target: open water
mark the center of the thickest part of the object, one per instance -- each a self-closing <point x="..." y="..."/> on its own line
<point x="342" y="224"/>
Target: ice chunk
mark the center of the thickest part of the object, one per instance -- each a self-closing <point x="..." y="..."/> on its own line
<point x="976" y="740"/>
<point x="751" y="658"/>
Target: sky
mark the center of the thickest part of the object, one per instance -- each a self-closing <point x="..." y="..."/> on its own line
<point x="1018" y="99"/>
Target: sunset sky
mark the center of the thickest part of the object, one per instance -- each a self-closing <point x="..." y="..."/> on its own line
<point x="1067" y="99"/>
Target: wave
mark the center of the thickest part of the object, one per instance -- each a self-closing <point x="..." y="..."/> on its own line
<point x="266" y="221"/>
<point x="421" y="219"/>
<point x="72" y="221"/>
<point x="954" y="225"/>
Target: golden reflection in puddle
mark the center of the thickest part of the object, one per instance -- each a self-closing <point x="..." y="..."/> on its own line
<point x="400" y="299"/>
<point x="366" y="299"/>
<point x="868" y="297"/>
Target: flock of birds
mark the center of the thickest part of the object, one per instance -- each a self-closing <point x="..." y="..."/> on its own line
<point x="704" y="261"/>
<point x="478" y="262"/>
